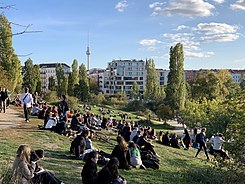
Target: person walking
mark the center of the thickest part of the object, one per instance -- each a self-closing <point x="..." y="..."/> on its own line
<point x="27" y="102"/>
<point x="200" y="138"/>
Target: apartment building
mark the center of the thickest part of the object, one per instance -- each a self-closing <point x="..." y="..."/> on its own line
<point x="49" y="69"/>
<point x="121" y="74"/>
<point x="237" y="75"/>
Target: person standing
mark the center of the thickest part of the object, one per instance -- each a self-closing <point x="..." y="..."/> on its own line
<point x="64" y="106"/>
<point x="4" y="96"/>
<point x="186" y="139"/>
<point x="200" y="138"/>
<point x="27" y="102"/>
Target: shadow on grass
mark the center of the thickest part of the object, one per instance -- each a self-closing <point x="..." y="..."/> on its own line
<point x="59" y="154"/>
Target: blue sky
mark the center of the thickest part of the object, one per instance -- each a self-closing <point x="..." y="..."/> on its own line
<point x="212" y="31"/>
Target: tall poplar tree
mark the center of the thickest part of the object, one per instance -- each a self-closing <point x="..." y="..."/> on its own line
<point x="73" y="77"/>
<point x="31" y="77"/>
<point x="60" y="77"/>
<point x="152" y="88"/>
<point x="134" y="93"/>
<point x="51" y="83"/>
<point x="176" y="85"/>
<point x="82" y="89"/>
<point x="8" y="59"/>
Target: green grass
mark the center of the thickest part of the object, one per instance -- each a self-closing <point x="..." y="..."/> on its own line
<point x="177" y="165"/>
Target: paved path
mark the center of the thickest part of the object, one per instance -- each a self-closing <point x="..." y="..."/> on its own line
<point x="10" y="118"/>
<point x="179" y="128"/>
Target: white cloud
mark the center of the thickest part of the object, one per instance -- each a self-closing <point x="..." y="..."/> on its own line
<point x="120" y="6"/>
<point x="156" y="4"/>
<point x="178" y="37"/>
<point x="219" y="1"/>
<point x="181" y="27"/>
<point x="194" y="37"/>
<point x="216" y="28"/>
<point x="240" y="4"/>
<point x="191" y="8"/>
<point x="220" y="38"/>
<point x="190" y="54"/>
<point x="149" y="42"/>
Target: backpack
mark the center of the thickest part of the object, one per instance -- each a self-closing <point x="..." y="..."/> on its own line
<point x="198" y="138"/>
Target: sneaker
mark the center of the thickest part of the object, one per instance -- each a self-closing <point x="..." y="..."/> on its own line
<point x="27" y="121"/>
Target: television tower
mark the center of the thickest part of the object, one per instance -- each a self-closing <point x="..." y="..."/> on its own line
<point x="88" y="55"/>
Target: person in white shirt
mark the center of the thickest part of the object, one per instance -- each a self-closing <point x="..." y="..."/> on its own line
<point x="218" y="142"/>
<point x="26" y="101"/>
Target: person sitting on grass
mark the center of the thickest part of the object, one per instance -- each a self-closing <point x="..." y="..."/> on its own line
<point x="109" y="174"/>
<point x="42" y="176"/>
<point x="78" y="146"/>
<point x="23" y="168"/>
<point x="144" y="144"/>
<point x="135" y="157"/>
<point x="165" y="139"/>
<point x="174" y="142"/>
<point x="89" y="172"/>
<point x="120" y="151"/>
<point x="75" y="121"/>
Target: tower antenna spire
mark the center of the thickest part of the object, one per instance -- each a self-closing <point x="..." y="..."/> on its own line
<point x="88" y="54"/>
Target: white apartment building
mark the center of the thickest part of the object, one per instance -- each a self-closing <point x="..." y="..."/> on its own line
<point x="121" y="74"/>
<point x="162" y="76"/>
<point x="48" y="70"/>
<point x="237" y="75"/>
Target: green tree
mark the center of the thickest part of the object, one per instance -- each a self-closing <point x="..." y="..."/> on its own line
<point x="36" y="75"/>
<point x="60" y="77"/>
<point x="73" y="77"/>
<point x="8" y="59"/>
<point x="81" y="90"/>
<point x="134" y="93"/>
<point x="82" y="72"/>
<point x="64" y="86"/>
<point x="31" y="75"/>
<point x="164" y="112"/>
<point x="93" y="86"/>
<point x="176" y="85"/>
<point x="51" y="84"/>
<point x="152" y="89"/>
<point x="97" y="99"/>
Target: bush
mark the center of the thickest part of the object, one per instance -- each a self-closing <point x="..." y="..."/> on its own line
<point x="51" y="96"/>
<point x="97" y="99"/>
<point x="135" y="106"/>
<point x="73" y="102"/>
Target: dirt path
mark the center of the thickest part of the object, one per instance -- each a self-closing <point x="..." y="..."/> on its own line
<point x="10" y="118"/>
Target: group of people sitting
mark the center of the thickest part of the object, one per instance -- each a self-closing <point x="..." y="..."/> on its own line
<point x="27" y="171"/>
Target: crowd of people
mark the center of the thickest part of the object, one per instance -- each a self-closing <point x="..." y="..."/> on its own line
<point x="134" y="148"/>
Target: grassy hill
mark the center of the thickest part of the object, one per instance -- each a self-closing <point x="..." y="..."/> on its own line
<point x="177" y="165"/>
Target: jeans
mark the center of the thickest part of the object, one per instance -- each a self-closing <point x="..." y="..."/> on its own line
<point x="26" y="112"/>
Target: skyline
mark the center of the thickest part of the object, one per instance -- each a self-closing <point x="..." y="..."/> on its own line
<point x="212" y="31"/>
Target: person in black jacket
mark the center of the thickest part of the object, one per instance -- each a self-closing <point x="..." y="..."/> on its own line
<point x="89" y="172"/>
<point x="120" y="151"/>
<point x="174" y="142"/>
<point x="109" y="174"/>
<point x="3" y="98"/>
<point x="78" y="146"/>
<point x="144" y="144"/>
<point x="186" y="139"/>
